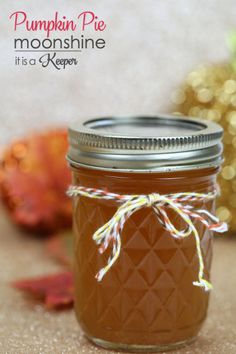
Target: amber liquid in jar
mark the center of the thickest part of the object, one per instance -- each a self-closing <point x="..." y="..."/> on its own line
<point x="147" y="300"/>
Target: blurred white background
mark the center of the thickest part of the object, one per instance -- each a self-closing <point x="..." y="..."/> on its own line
<point x="151" y="46"/>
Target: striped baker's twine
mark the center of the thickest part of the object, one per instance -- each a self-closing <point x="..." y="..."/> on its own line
<point x="179" y="202"/>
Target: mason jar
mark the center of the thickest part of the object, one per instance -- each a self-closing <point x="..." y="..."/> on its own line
<point x="149" y="296"/>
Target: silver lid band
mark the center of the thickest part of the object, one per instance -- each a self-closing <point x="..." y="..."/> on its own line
<point x="145" y="144"/>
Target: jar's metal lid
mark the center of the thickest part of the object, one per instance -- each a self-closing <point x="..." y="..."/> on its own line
<point x="161" y="143"/>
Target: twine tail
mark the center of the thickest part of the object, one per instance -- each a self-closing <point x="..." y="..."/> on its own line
<point x="110" y="232"/>
<point x="203" y="283"/>
<point x="212" y="224"/>
<point x="112" y="259"/>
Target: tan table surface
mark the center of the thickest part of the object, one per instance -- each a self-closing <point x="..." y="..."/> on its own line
<point x="26" y="328"/>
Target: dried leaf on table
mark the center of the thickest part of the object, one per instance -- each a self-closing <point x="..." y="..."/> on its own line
<point x="33" y="179"/>
<point x="56" y="290"/>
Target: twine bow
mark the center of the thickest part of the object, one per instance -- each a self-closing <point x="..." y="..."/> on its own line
<point x="179" y="202"/>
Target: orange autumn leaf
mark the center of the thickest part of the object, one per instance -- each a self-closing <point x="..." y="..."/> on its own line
<point x="34" y="177"/>
<point x="56" y="290"/>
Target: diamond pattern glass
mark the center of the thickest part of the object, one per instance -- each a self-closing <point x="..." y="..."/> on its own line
<point x="147" y="298"/>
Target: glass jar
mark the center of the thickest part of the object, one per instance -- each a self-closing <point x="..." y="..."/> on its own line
<point x="146" y="301"/>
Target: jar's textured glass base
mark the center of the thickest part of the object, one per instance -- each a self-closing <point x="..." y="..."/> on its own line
<point x="136" y="348"/>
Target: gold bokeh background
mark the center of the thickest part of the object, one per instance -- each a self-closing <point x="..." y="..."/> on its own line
<point x="209" y="92"/>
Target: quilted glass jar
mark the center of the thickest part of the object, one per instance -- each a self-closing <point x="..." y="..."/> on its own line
<point x="147" y="300"/>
